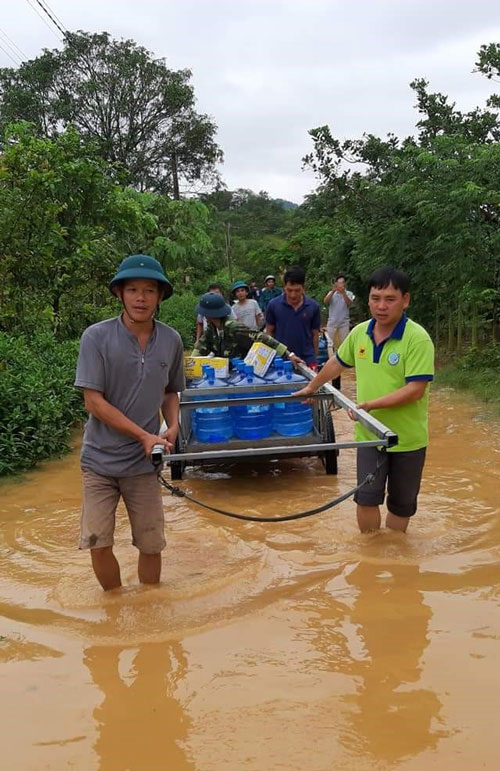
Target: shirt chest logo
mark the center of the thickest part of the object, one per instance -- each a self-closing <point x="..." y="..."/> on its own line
<point x="362" y="353"/>
<point x="393" y="358"/>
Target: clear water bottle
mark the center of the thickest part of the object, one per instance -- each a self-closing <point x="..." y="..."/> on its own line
<point x="212" y="424"/>
<point x="251" y="421"/>
<point x="293" y="418"/>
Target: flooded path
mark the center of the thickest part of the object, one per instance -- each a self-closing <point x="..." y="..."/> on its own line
<point x="302" y="646"/>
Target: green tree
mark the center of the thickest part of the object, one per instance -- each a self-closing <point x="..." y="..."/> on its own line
<point x="65" y="224"/>
<point x="138" y="112"/>
<point x="430" y="204"/>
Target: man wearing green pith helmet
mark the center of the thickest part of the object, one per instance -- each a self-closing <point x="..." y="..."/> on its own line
<point x="228" y="338"/>
<point x="130" y="368"/>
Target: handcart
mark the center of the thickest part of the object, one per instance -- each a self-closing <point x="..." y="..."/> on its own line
<point x="319" y="442"/>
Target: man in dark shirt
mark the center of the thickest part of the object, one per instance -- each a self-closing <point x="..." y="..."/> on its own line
<point x="295" y="319"/>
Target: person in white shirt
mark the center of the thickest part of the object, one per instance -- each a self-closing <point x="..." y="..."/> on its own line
<point x="339" y="301"/>
<point x="246" y="311"/>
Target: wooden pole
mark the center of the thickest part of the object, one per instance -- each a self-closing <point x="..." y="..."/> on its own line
<point x="228" y="251"/>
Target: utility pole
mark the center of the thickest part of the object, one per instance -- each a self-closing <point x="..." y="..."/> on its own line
<point x="228" y="251"/>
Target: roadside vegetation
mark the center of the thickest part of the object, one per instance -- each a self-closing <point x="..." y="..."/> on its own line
<point x="85" y="180"/>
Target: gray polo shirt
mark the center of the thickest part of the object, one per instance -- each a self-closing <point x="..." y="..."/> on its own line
<point x="134" y="381"/>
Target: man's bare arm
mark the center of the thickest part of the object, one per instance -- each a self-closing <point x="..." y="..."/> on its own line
<point x="170" y="411"/>
<point x="316" y="342"/>
<point x="411" y="392"/>
<point x="100" y="408"/>
<point x="331" y="370"/>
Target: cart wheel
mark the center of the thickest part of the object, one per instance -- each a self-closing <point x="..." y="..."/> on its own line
<point x="329" y="457"/>
<point x="177" y="466"/>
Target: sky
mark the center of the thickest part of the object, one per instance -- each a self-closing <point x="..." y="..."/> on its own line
<point x="268" y="71"/>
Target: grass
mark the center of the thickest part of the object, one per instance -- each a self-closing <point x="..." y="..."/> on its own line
<point x="475" y="374"/>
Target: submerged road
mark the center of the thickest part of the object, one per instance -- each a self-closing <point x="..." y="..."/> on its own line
<point x="304" y="646"/>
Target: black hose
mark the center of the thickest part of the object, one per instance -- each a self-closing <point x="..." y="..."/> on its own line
<point x="287" y="518"/>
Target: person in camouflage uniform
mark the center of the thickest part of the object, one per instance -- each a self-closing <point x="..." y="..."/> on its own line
<point x="229" y="338"/>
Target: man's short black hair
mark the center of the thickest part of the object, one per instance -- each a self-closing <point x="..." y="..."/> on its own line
<point x="387" y="275"/>
<point x="295" y="275"/>
<point x="211" y="287"/>
<point x="340" y="275"/>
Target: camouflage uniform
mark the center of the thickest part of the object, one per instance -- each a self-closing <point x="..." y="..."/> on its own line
<point x="233" y="339"/>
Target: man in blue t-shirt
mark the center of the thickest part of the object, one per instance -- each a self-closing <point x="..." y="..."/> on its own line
<point x="295" y="319"/>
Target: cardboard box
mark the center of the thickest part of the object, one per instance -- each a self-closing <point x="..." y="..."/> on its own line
<point x="260" y="357"/>
<point x="193" y="365"/>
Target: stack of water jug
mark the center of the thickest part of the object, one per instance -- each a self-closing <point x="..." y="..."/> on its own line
<point x="253" y="421"/>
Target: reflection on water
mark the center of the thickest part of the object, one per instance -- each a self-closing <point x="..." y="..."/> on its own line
<point x="393" y="716"/>
<point x="140" y="723"/>
<point x="304" y="645"/>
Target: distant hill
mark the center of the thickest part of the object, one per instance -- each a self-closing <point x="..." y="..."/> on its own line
<point x="286" y="204"/>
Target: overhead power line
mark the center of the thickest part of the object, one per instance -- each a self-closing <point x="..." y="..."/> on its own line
<point x="49" y="26"/>
<point x="17" y="61"/>
<point x="12" y="45"/>
<point x="45" y="9"/>
<point x="54" y="14"/>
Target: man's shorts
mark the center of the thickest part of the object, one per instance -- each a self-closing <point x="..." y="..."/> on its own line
<point x="142" y="497"/>
<point x="400" y="471"/>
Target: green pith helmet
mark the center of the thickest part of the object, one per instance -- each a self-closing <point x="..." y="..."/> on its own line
<point x="213" y="305"/>
<point x="141" y="266"/>
<point x="239" y="285"/>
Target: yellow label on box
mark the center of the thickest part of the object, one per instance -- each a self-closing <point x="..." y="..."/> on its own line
<point x="260" y="357"/>
<point x="193" y="365"/>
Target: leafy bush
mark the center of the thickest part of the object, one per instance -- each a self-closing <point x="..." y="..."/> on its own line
<point x="38" y="403"/>
<point x="179" y="312"/>
<point x="481" y="358"/>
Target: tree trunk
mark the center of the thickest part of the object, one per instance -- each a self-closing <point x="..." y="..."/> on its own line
<point x="228" y="252"/>
<point x="436" y="324"/>
<point x="473" y="328"/>
<point x="175" y="178"/>
<point x="459" y="329"/>
<point x="450" y="332"/>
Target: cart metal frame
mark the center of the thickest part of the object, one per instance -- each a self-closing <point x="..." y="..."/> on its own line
<point x="319" y="442"/>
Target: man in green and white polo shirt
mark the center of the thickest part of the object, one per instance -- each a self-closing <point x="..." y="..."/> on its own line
<point x="394" y="362"/>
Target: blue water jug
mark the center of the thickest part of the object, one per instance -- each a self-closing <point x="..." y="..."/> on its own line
<point x="251" y="421"/>
<point x="212" y="424"/>
<point x="275" y="370"/>
<point x="234" y="373"/>
<point x="197" y="383"/>
<point x="293" y="418"/>
<point x="238" y="372"/>
<point x="322" y="351"/>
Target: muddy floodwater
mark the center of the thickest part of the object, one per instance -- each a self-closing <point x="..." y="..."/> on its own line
<point x="302" y="646"/>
